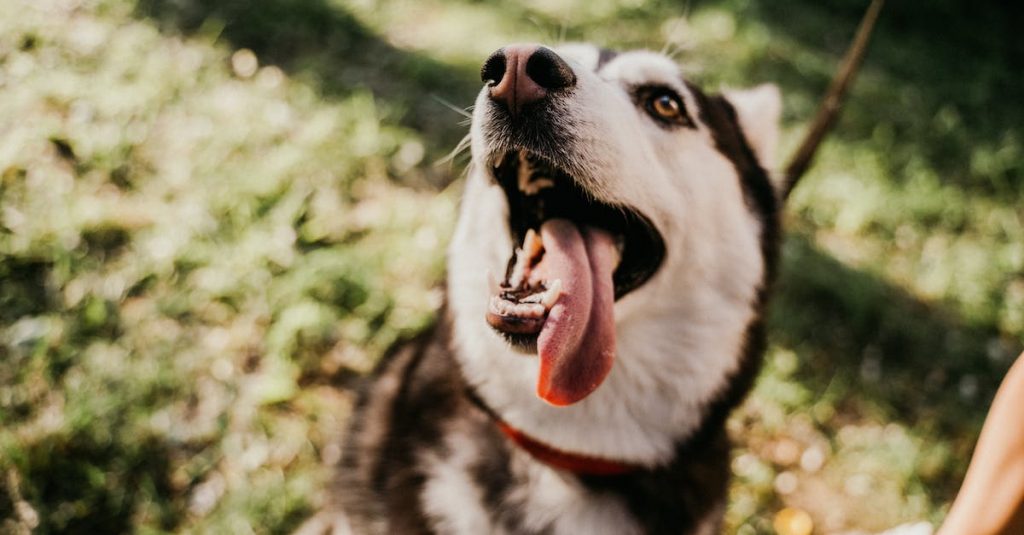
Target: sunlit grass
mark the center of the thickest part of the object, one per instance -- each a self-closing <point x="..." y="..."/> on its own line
<point x="213" y="216"/>
<point x="192" y="251"/>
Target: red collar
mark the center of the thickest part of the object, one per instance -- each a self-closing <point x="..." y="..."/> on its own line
<point x="564" y="460"/>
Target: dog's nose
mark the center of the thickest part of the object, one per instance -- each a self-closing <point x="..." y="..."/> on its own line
<point x="518" y="75"/>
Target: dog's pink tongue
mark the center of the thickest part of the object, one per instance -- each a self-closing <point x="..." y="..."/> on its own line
<point x="577" y="343"/>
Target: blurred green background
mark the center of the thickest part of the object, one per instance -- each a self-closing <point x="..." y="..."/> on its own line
<point x="214" y="216"/>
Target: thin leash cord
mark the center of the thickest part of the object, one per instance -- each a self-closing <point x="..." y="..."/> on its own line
<point x="828" y="112"/>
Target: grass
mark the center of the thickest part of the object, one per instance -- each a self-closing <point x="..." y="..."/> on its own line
<point x="214" y="216"/>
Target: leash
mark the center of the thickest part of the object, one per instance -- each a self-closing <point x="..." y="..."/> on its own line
<point x="828" y="113"/>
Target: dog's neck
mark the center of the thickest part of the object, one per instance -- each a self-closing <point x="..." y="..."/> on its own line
<point x="674" y="352"/>
<point x="564" y="460"/>
<point x="576" y="463"/>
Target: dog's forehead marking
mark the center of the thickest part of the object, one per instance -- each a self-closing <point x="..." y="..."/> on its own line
<point x="604" y="57"/>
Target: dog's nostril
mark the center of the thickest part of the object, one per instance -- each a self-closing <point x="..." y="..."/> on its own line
<point x="549" y="70"/>
<point x="494" y="68"/>
<point x="521" y="75"/>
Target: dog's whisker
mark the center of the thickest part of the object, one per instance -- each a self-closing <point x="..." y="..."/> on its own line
<point x="452" y="107"/>
<point x="673" y="45"/>
<point x="461" y="147"/>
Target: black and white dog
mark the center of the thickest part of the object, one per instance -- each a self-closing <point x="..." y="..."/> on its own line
<point x="606" y="284"/>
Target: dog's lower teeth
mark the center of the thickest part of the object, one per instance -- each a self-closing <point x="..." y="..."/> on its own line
<point x="548" y="296"/>
<point x="535" y="298"/>
<point x="530" y="311"/>
<point x="552" y="294"/>
<point x="522" y="309"/>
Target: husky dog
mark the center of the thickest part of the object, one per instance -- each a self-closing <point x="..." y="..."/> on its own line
<point x="606" y="284"/>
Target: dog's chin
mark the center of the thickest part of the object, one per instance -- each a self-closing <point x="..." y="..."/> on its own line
<point x="573" y="257"/>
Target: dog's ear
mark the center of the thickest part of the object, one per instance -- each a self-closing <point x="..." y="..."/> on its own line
<point x="758" y="110"/>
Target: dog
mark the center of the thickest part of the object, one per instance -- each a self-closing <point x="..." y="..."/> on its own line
<point x="607" y="282"/>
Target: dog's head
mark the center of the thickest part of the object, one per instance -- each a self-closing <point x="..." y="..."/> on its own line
<point x="615" y="237"/>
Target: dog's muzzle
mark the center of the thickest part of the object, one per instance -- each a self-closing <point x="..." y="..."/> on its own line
<point x="574" y="255"/>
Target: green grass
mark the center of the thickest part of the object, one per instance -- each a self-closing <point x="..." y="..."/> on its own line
<point x="198" y="253"/>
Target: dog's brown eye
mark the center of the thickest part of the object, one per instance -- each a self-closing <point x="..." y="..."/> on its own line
<point x="666" y="107"/>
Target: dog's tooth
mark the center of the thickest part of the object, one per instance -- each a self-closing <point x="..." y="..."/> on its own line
<point x="534" y="298"/>
<point x="501" y="307"/>
<point x="530" y="310"/>
<point x="620" y="247"/>
<point x="532" y="244"/>
<point x="519" y="270"/>
<point x="552" y="294"/>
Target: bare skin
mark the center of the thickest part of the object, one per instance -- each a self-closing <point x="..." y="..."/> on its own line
<point x="991" y="500"/>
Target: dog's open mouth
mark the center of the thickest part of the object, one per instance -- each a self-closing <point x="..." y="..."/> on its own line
<point x="575" y="257"/>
